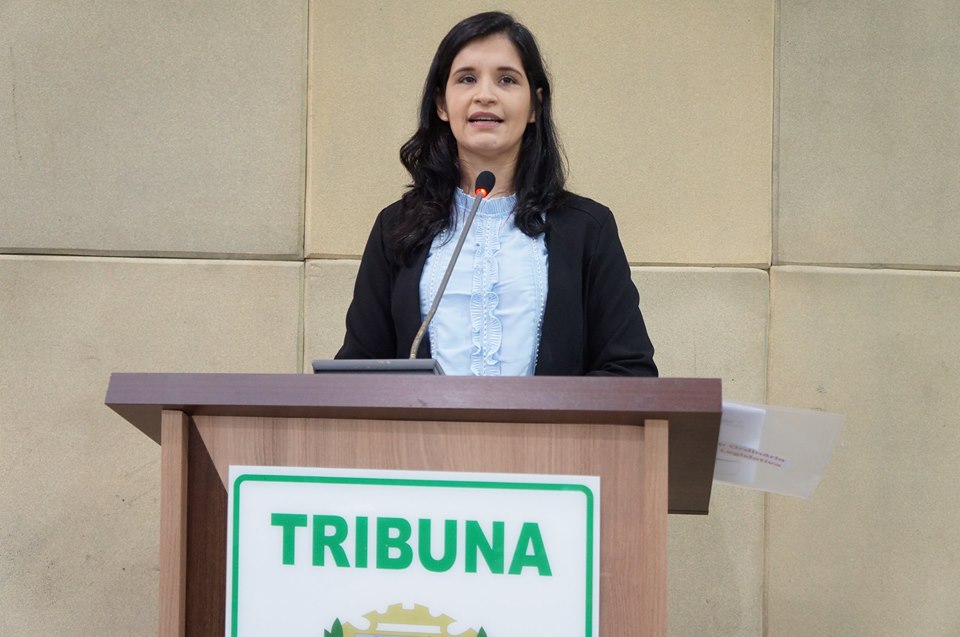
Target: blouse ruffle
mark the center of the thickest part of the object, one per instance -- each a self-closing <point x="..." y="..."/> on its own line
<point x="492" y="226"/>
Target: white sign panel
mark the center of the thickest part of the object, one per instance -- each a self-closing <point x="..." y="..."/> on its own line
<point x="347" y="553"/>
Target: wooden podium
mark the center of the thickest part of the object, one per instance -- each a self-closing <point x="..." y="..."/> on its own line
<point x="652" y="442"/>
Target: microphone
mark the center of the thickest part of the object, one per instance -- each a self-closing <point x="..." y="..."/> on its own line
<point x="481" y="189"/>
<point x="484" y="185"/>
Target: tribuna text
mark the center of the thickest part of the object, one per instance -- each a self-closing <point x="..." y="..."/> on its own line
<point x="396" y="546"/>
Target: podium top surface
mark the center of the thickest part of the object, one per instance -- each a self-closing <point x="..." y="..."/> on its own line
<point x="692" y="406"/>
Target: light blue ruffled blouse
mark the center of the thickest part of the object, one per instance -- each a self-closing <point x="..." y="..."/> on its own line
<point x="488" y="322"/>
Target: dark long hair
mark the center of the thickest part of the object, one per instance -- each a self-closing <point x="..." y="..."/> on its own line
<point x="430" y="155"/>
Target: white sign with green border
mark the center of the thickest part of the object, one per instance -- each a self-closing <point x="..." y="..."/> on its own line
<point x="356" y="553"/>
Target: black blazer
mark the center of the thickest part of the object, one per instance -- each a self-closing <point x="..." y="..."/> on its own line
<point x="592" y="322"/>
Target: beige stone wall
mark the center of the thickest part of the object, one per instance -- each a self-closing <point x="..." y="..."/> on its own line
<point x="877" y="550"/>
<point x="187" y="186"/>
<point x="868" y="149"/>
<point x="639" y="88"/>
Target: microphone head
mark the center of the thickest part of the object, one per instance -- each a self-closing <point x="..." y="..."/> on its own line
<point x="485" y="182"/>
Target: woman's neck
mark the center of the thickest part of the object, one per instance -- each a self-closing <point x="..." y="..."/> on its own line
<point x="503" y="172"/>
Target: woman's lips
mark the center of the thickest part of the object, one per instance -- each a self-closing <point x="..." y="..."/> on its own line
<point x="484" y="123"/>
<point x="484" y="120"/>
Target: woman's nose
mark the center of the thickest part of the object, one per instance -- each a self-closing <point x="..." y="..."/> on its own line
<point x="485" y="92"/>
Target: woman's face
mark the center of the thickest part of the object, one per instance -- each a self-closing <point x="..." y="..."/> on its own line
<point x="487" y="101"/>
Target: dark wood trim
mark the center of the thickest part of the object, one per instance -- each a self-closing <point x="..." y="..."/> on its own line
<point x="206" y="539"/>
<point x="692" y="406"/>
<point x="139" y="398"/>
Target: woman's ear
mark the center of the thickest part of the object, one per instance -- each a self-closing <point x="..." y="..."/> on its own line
<point x="441" y="107"/>
<point x="536" y="107"/>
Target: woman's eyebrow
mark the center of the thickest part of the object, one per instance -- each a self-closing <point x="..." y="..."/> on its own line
<point x="472" y="69"/>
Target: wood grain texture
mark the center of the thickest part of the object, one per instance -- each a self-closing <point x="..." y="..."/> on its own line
<point x="693" y="407"/>
<point x="614" y="428"/>
<point x="653" y="530"/>
<point x="615" y="453"/>
<point x="606" y="399"/>
<point x="206" y="543"/>
<point x="173" y="523"/>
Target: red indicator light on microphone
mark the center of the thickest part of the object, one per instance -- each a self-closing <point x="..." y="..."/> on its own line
<point x="482" y="192"/>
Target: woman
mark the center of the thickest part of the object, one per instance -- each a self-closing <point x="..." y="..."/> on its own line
<point x="542" y="285"/>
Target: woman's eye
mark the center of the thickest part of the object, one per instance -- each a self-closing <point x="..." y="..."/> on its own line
<point x="507" y="79"/>
<point x="466" y="79"/>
